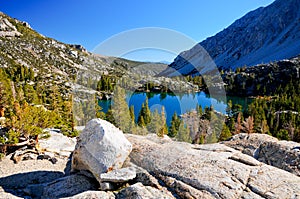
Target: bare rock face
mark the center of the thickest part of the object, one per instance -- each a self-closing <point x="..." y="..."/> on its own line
<point x="146" y="178"/>
<point x="281" y="154"/>
<point x="119" y="175"/>
<point x="93" y="195"/>
<point x="63" y="187"/>
<point x="101" y="147"/>
<point x="7" y="29"/>
<point x="263" y="35"/>
<point x="249" y="143"/>
<point x="211" y="171"/>
<point x="138" y="191"/>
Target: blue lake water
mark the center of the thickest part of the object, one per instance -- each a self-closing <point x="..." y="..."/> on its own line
<point x="175" y="103"/>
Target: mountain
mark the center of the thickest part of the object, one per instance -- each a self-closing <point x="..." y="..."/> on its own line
<point x="266" y="34"/>
<point x="56" y="63"/>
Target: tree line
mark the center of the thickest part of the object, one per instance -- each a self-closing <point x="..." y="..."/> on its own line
<point x="27" y="105"/>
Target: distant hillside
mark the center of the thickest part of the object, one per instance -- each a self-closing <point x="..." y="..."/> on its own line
<point x="65" y="78"/>
<point x="56" y="63"/>
<point x="266" y="34"/>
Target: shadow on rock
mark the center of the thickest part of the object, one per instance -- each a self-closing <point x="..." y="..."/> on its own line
<point x="13" y="183"/>
<point x="67" y="169"/>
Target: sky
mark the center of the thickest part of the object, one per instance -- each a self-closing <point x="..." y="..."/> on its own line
<point x="92" y="22"/>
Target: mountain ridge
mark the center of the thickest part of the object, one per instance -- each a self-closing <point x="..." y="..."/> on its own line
<point x="270" y="33"/>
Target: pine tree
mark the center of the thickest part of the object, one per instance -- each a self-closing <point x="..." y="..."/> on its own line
<point x="229" y="108"/>
<point x="131" y="111"/>
<point x="20" y="94"/>
<point x="163" y="127"/>
<point x="141" y="122"/>
<point x="263" y="127"/>
<point x="236" y="109"/>
<point x="175" y="123"/>
<point x="6" y="99"/>
<point x="31" y="74"/>
<point x="183" y="133"/>
<point x="99" y="85"/>
<point x="147" y="112"/>
<point x="144" y="114"/>
<point x="212" y="138"/>
<point x="207" y="113"/>
<point x="283" y="134"/>
<point x="225" y="134"/>
<point x="201" y="139"/>
<point x="98" y="109"/>
<point x="231" y="124"/>
<point x="199" y="110"/>
<point x="21" y="73"/>
<point x="54" y="98"/>
<point x="31" y="95"/>
<point x="155" y="125"/>
<point x="109" y="116"/>
<point x="120" y="110"/>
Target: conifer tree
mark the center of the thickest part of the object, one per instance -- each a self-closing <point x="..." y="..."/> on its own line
<point x="120" y="110"/>
<point x="131" y="111"/>
<point x="144" y="114"/>
<point x="109" y="116"/>
<point x="31" y="74"/>
<point x="225" y="134"/>
<point x="229" y="108"/>
<point x="31" y="95"/>
<point x="141" y="122"/>
<point x="155" y="125"/>
<point x="147" y="112"/>
<point x="207" y="113"/>
<point x="183" y="133"/>
<point x="175" y="123"/>
<point x="163" y="126"/>
<point x="199" y="110"/>
<point x="98" y="109"/>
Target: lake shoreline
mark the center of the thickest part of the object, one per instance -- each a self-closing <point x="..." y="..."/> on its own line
<point x="180" y="103"/>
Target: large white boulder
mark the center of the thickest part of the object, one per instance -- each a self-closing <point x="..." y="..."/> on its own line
<point x="100" y="148"/>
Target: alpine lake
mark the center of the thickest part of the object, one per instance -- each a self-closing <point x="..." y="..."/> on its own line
<point x="179" y="103"/>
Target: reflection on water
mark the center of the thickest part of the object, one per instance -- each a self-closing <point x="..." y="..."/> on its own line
<point x="180" y="103"/>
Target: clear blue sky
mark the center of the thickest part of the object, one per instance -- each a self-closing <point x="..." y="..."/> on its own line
<point x="90" y="22"/>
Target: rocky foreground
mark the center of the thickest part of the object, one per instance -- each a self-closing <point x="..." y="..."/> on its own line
<point x="107" y="164"/>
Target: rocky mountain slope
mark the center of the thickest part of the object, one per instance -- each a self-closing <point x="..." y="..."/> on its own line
<point x="263" y="35"/>
<point x="262" y="79"/>
<point x="57" y="63"/>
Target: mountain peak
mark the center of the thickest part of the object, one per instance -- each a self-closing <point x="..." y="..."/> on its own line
<point x="266" y="34"/>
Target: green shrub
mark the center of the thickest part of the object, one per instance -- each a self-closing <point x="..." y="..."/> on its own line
<point x="13" y="137"/>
